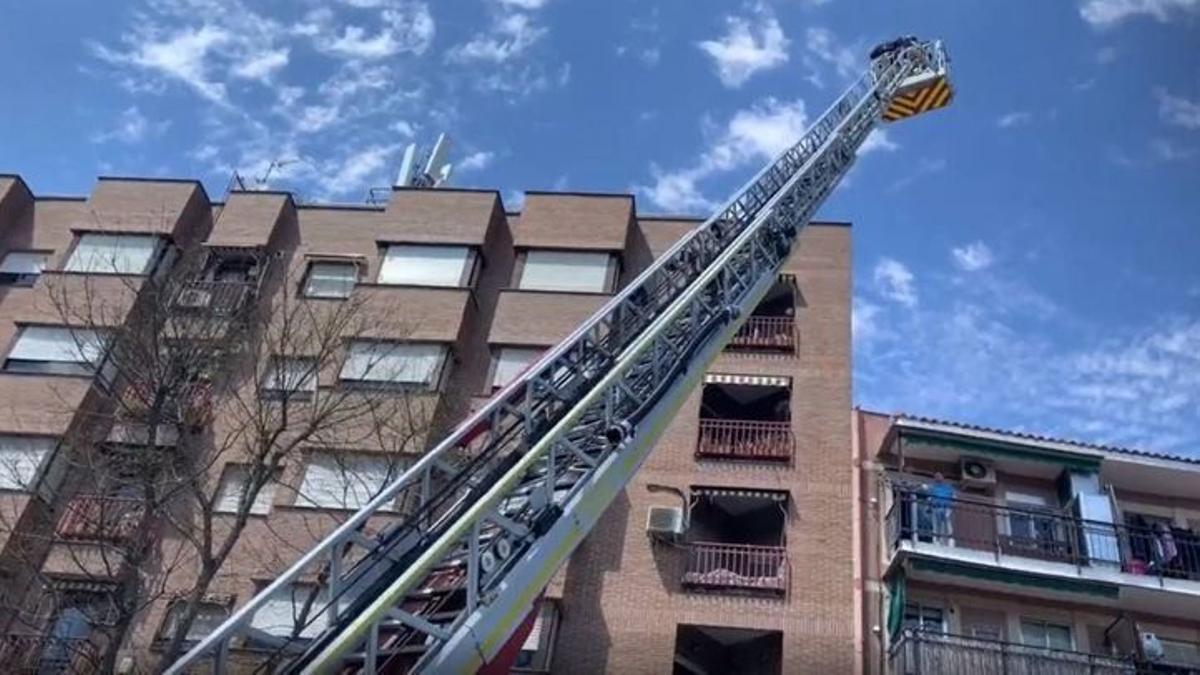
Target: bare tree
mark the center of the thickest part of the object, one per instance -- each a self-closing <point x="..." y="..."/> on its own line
<point x="206" y="390"/>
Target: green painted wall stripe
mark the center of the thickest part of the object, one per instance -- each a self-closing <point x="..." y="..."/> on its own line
<point x="910" y="437"/>
<point x="1079" y="586"/>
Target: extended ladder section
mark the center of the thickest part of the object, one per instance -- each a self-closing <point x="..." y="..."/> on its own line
<point x="495" y="510"/>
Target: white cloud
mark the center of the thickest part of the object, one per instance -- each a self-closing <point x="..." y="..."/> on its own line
<point x="821" y="45"/>
<point x="894" y="281"/>
<point x="262" y="65"/>
<point x="510" y="36"/>
<point x="1177" y="110"/>
<point x="527" y="5"/>
<point x="973" y="257"/>
<point x="878" y="140"/>
<point x="749" y="46"/>
<point x="926" y="166"/>
<point x="406" y="28"/>
<point x="1164" y="150"/>
<point x="1014" y="119"/>
<point x="357" y="171"/>
<point x="476" y="161"/>
<point x="755" y="134"/>
<point x="315" y="118"/>
<point x="182" y="56"/>
<point x="132" y="127"/>
<point x="864" y="320"/>
<point x="1106" y="13"/>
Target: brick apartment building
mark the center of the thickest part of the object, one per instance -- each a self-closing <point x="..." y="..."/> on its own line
<point x="455" y="296"/>
<point x="991" y="551"/>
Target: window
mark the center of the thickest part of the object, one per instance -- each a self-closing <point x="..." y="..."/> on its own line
<point x="567" y="271"/>
<point x="346" y="480"/>
<point x="394" y="362"/>
<point x="49" y="349"/>
<point x="114" y="253"/>
<point x="1035" y="633"/>
<point x="209" y="615"/>
<point x="20" y="458"/>
<point x="925" y="616"/>
<point x="510" y="361"/>
<point x="331" y="279"/>
<point x="290" y="378"/>
<point x="420" y="265"/>
<point x="233" y="486"/>
<point x="280" y="614"/>
<point x="22" y="268"/>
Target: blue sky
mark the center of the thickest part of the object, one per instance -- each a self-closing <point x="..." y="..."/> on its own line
<point x="1026" y="258"/>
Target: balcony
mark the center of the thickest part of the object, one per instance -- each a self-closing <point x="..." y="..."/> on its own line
<point x="745" y="440"/>
<point x="24" y="654"/>
<point x="101" y="519"/>
<point x="214" y="298"/>
<point x="975" y="528"/>
<point x="765" y="334"/>
<point x="927" y="653"/>
<point x="737" y="568"/>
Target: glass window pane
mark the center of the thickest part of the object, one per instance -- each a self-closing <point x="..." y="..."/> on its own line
<point x="113" y="253"/>
<point x="414" y="363"/>
<point x="511" y="361"/>
<point x="20" y="458"/>
<point x="331" y="280"/>
<point x="23" y="262"/>
<point x="65" y="345"/>
<point x="565" y="271"/>
<point x="424" y="265"/>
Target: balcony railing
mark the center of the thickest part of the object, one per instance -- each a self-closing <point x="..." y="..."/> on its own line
<point x="737" y="567"/>
<point x="738" y="439"/>
<point x="1045" y="534"/>
<point x="44" y="655"/>
<point x="216" y="298"/>
<point x="765" y="333"/>
<point x="101" y="519"/>
<point x="927" y="653"/>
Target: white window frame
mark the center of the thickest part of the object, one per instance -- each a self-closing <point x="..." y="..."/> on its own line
<point x="556" y="263"/>
<point x="22" y="459"/>
<point x="370" y="362"/>
<point x="270" y="617"/>
<point x="79" y="350"/>
<point x="281" y="370"/>
<point x="502" y="372"/>
<point x="233" y="485"/>
<point x="212" y="614"/>
<point x="921" y="606"/>
<point x="1045" y="623"/>
<point x="23" y="267"/>
<point x="316" y="264"/>
<point x="447" y="265"/>
<point x="88" y="255"/>
<point x="349" y="472"/>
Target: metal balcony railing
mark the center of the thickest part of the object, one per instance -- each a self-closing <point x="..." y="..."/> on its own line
<point x="920" y="652"/>
<point x="217" y="298"/>
<point x="765" y="333"/>
<point x="739" y="439"/>
<point x="1045" y="534"/>
<point x="101" y="519"/>
<point x="27" y="654"/>
<point x="737" y="567"/>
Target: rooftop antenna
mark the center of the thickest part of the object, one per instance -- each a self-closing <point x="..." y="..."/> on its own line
<point x="436" y="171"/>
<point x="262" y="182"/>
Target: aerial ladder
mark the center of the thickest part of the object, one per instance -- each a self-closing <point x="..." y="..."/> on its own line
<point x="496" y="509"/>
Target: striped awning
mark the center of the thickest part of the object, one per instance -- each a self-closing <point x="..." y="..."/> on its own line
<point x="773" y="495"/>
<point x="756" y="380"/>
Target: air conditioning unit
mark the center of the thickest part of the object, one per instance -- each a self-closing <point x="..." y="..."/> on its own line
<point x="1152" y="648"/>
<point x="665" y="522"/>
<point x="194" y="297"/>
<point x="977" y="472"/>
